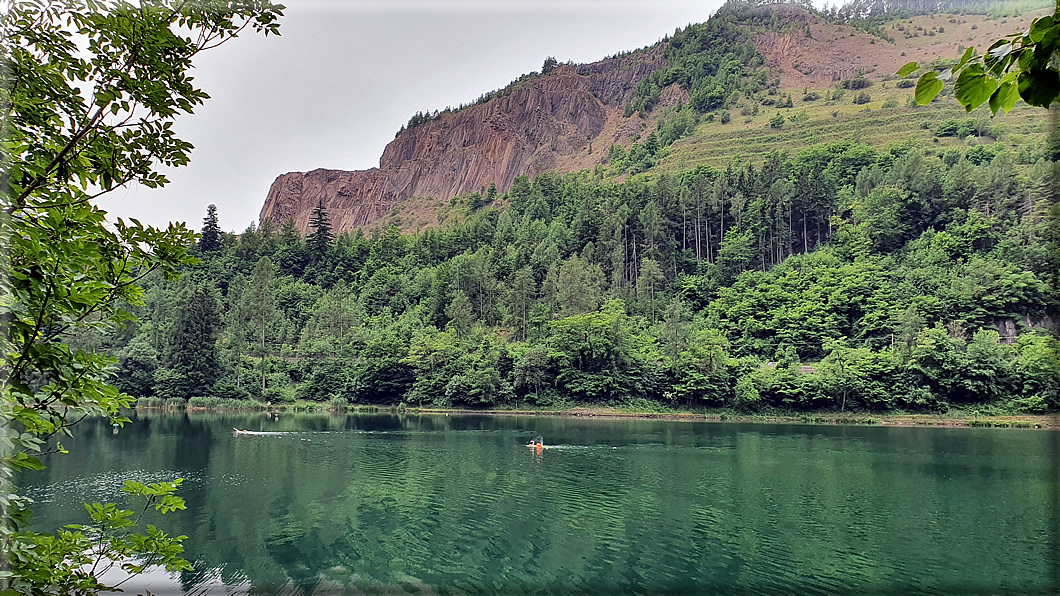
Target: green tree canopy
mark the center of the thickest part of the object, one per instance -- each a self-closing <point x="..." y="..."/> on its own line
<point x="89" y="94"/>
<point x="210" y="237"/>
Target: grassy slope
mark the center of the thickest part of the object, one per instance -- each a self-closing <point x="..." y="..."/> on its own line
<point x="751" y="138"/>
<point x="716" y="144"/>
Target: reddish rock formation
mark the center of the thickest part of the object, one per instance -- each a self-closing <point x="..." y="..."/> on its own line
<point x="551" y="122"/>
<point x="544" y="123"/>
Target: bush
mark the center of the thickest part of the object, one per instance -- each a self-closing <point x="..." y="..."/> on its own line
<point x="150" y="402"/>
<point x="890" y="103"/>
<point x="1030" y="405"/>
<point x="777" y="121"/>
<point x="960" y="128"/>
<point x="906" y="84"/>
<point x="811" y="96"/>
<point x="983" y="154"/>
<point x="862" y="98"/>
<point x="226" y="389"/>
<point x="857" y="82"/>
<point x="278" y="394"/>
<point x="725" y="118"/>
<point x="224" y="404"/>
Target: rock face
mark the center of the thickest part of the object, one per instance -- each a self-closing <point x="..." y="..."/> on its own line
<point x="553" y="122"/>
<point x="544" y="123"/>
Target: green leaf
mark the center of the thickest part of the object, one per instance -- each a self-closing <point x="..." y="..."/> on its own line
<point x="964" y="59"/>
<point x="908" y="69"/>
<point x="1039" y="87"/>
<point x="1004" y="98"/>
<point x="999" y="56"/>
<point x="974" y="87"/>
<point x="927" y="88"/>
<point x="1039" y="28"/>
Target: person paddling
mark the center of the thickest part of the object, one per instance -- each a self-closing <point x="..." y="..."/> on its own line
<point x="537" y="443"/>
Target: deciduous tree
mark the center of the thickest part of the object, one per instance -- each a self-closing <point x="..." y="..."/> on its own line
<point x="89" y="94"/>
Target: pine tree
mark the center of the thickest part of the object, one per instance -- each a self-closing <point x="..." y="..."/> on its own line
<point x="320" y="238"/>
<point x="261" y="305"/>
<point x="192" y="355"/>
<point x="211" y="232"/>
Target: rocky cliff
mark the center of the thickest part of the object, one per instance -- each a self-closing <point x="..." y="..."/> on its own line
<point x="553" y="122"/>
<point x="540" y="124"/>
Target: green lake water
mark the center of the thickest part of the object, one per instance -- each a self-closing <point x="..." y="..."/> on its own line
<point x="458" y="504"/>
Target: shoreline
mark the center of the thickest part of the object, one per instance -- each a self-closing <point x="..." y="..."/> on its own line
<point x="957" y="419"/>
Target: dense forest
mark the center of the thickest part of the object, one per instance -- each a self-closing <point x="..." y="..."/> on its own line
<point x="843" y="277"/>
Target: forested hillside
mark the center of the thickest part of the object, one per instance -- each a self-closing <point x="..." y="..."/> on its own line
<point x="842" y="277"/>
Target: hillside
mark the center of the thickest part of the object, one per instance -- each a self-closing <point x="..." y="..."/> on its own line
<point x="744" y="246"/>
<point x="722" y="82"/>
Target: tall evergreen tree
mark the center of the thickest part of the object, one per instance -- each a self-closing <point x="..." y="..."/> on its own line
<point x="261" y="299"/>
<point x="210" y="241"/>
<point x="192" y="355"/>
<point x="320" y="238"/>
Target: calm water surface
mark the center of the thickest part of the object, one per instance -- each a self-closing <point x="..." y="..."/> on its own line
<point x="458" y="504"/>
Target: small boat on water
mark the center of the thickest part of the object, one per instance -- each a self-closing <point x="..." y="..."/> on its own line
<point x="257" y="432"/>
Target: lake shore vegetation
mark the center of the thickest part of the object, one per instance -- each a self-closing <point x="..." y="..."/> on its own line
<point x="844" y="277"/>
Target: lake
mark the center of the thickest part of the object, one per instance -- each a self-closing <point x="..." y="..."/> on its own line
<point x="458" y="504"/>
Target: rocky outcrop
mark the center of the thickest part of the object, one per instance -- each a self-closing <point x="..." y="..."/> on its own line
<point x="544" y="123"/>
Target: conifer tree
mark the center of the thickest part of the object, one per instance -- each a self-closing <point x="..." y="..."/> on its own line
<point x="193" y="353"/>
<point x="210" y="241"/>
<point x="320" y="238"/>
<point x="261" y="304"/>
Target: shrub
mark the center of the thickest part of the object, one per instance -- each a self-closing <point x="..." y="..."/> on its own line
<point x="811" y="96"/>
<point x="226" y="389"/>
<point x="961" y="128"/>
<point x="890" y="103"/>
<point x="150" y="402"/>
<point x="982" y="154"/>
<point x="777" y="121"/>
<point x="279" y="394"/>
<point x="725" y="118"/>
<point x="906" y="83"/>
<point x="857" y="82"/>
<point x="1030" y="405"/>
<point x="862" y="98"/>
<point x="946" y="128"/>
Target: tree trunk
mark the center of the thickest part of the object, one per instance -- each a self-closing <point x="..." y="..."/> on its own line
<point x="806" y="235"/>
<point x="263" y="357"/>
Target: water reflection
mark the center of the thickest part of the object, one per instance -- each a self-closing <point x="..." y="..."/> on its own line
<point x="457" y="504"/>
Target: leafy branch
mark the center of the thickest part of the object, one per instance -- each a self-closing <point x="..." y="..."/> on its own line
<point x="1019" y="66"/>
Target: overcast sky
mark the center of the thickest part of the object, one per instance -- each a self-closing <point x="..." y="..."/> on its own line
<point x="345" y="75"/>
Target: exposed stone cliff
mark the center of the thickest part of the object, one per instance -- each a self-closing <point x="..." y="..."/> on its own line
<point x="544" y="123"/>
<point x="553" y="122"/>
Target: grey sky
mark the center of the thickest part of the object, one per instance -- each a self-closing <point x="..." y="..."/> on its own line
<point x="345" y="75"/>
